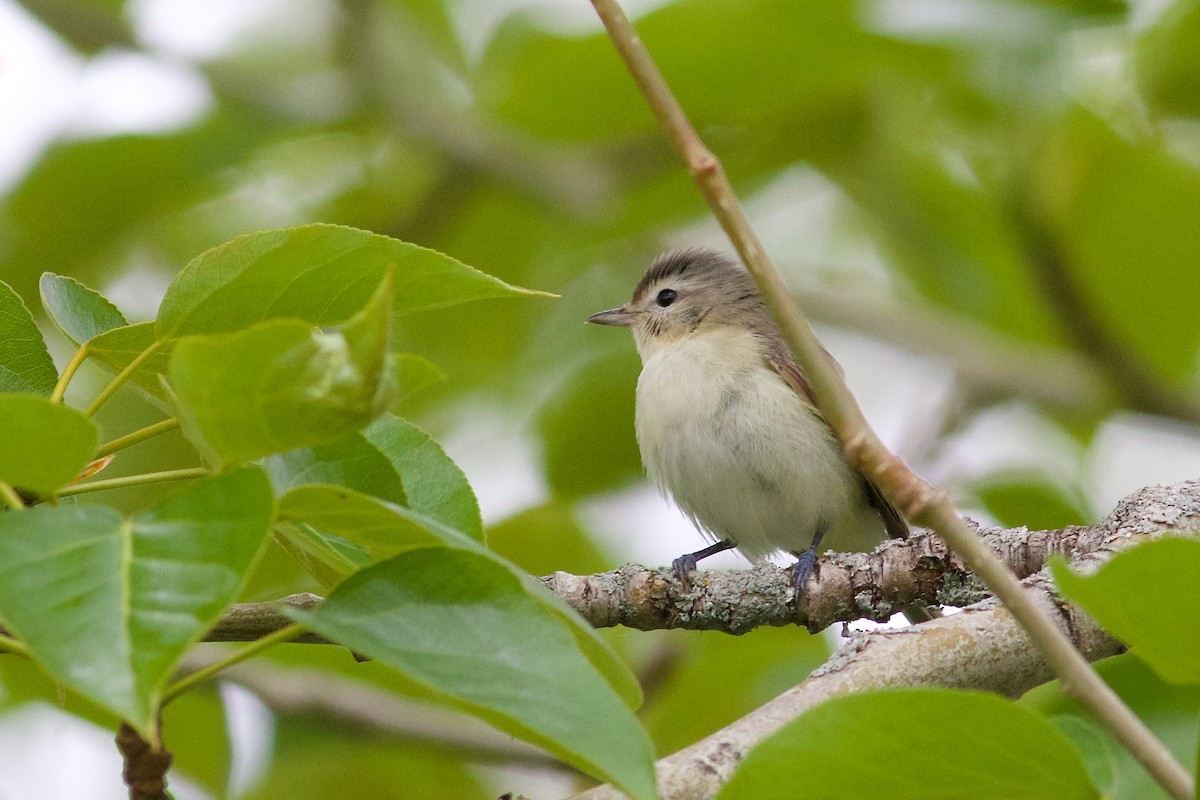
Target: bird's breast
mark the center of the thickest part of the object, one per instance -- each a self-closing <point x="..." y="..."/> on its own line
<point x="736" y="447"/>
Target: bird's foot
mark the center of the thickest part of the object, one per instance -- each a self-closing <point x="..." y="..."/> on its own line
<point x="805" y="562"/>
<point x="683" y="567"/>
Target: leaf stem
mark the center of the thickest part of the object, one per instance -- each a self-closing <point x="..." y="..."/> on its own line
<point x="129" y="439"/>
<point x="241" y="654"/>
<point x="920" y="502"/>
<point x="10" y="497"/>
<point x="11" y="645"/>
<point x="60" y="387"/>
<point x="121" y="378"/>
<point x="134" y="480"/>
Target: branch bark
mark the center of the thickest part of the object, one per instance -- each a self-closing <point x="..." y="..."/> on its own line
<point x="844" y="587"/>
<point x="917" y="500"/>
<point x="981" y="648"/>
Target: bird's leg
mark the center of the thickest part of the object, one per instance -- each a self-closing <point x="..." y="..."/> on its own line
<point x="684" y="566"/>
<point x="807" y="560"/>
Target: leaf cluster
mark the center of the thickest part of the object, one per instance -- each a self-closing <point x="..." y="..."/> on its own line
<point x="274" y="356"/>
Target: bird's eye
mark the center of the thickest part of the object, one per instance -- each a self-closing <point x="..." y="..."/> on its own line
<point x="666" y="297"/>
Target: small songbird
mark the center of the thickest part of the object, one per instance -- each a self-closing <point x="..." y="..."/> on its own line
<point x="727" y="426"/>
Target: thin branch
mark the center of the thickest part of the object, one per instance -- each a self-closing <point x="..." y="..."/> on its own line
<point x="64" y="380"/>
<point x="920" y="502"/>
<point x="11" y="497"/>
<point x="143" y="479"/>
<point x="982" y="648"/>
<point x="284" y="634"/>
<point x="11" y="645"/>
<point x="248" y="622"/>
<point x="138" y="436"/>
<point x="122" y="377"/>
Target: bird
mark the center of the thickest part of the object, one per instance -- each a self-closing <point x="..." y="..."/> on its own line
<point x="727" y="425"/>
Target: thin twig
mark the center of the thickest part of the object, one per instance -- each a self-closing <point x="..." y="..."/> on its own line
<point x="11" y="645"/>
<point x="134" y="480"/>
<point x="64" y="380"/>
<point x="141" y="435"/>
<point x="285" y="634"/>
<point x="122" y="377"/>
<point x="10" y="497"/>
<point x="920" y="502"/>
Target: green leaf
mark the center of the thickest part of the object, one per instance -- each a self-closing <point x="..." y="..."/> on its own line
<point x="1033" y="498"/>
<point x="108" y="605"/>
<point x="860" y="746"/>
<point x="321" y="274"/>
<point x="1123" y="202"/>
<point x="1168" y="62"/>
<point x="466" y="629"/>
<point x="25" y="364"/>
<point x="117" y="348"/>
<point x="384" y="529"/>
<point x="1093" y="747"/>
<point x="79" y="312"/>
<point x="1146" y="597"/>
<point x="328" y="559"/>
<point x="379" y="529"/>
<point x="1169" y="711"/>
<point x="43" y="445"/>
<point x="350" y="461"/>
<point x="410" y="374"/>
<point x="281" y="384"/>
<point x="390" y="459"/>
<point x="433" y="484"/>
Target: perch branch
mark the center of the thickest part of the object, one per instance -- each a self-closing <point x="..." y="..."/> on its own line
<point x="844" y="587"/>
<point x="981" y="648"/>
<point x="917" y="500"/>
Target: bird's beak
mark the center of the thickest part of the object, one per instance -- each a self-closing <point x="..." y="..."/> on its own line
<point x="617" y="317"/>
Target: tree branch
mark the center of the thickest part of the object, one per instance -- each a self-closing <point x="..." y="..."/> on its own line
<point x="917" y="500"/>
<point x="981" y="648"/>
<point x="844" y="586"/>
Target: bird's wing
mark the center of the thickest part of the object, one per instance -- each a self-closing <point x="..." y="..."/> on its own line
<point x="780" y="359"/>
<point x="897" y="528"/>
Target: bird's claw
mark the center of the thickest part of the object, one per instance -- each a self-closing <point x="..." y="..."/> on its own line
<point x="683" y="567"/>
<point x="803" y="567"/>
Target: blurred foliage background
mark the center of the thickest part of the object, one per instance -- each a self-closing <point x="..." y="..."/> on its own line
<point x="992" y="210"/>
